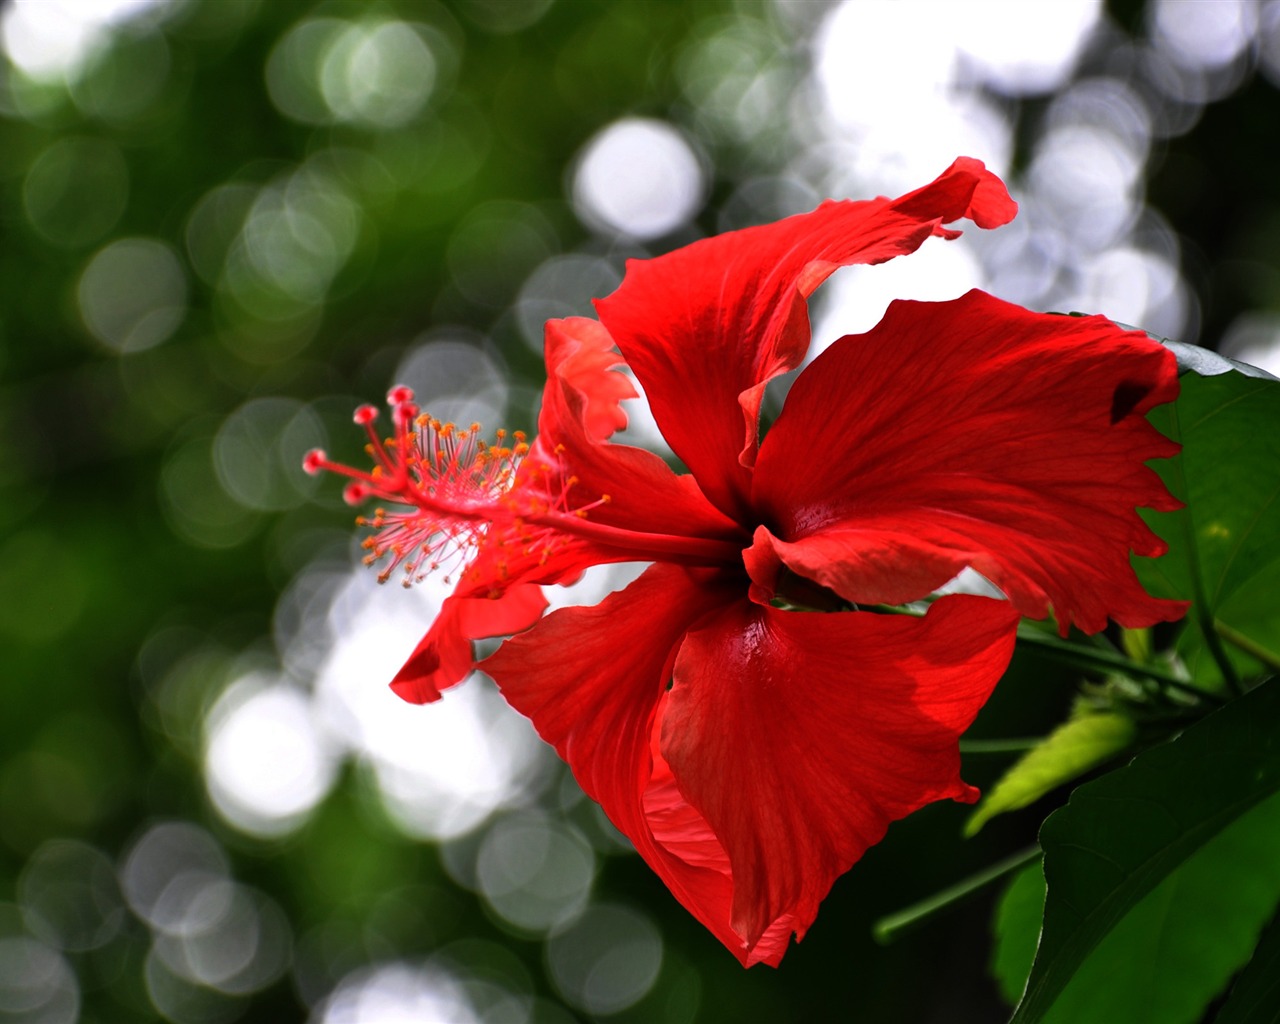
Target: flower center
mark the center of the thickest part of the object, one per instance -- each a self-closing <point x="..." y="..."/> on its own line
<point x="791" y="590"/>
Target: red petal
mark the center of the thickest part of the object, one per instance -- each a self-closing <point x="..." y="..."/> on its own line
<point x="801" y="736"/>
<point x="444" y="656"/>
<point x="585" y="388"/>
<point x="581" y="501"/>
<point x="579" y="410"/>
<point x="704" y="328"/>
<point x="591" y="680"/>
<point x="976" y="433"/>
<point x="682" y="832"/>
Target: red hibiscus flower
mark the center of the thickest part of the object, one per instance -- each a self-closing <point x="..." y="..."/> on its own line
<point x="738" y="718"/>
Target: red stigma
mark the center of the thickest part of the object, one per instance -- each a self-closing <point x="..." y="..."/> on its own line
<point x="405" y="413"/>
<point x="355" y="494"/>
<point x="314" y="461"/>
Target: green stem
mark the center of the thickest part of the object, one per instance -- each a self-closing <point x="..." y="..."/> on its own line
<point x="1251" y="647"/>
<point x="1213" y="641"/>
<point x="1100" y="654"/>
<point x="1091" y="657"/>
<point x="1108" y="660"/>
<point x="997" y="747"/>
<point x="889" y="928"/>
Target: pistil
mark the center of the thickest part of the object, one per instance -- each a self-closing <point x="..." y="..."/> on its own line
<point x="463" y="493"/>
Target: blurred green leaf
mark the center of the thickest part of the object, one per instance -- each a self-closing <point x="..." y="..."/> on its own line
<point x="1068" y="752"/>
<point x="1137" y="644"/>
<point x="1176" y="949"/>
<point x="1224" y="546"/>
<point x="1119" y="837"/>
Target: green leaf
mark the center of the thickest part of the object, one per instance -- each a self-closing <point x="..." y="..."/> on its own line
<point x="1224" y="545"/>
<point x="1255" y="998"/>
<point x="1066" y="753"/>
<point x="1176" y="949"/>
<point x="1120" y="836"/>
<point x="1017" y="930"/>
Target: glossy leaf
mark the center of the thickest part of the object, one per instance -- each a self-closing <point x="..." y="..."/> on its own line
<point x="1120" y="836"/>
<point x="1255" y="997"/>
<point x="1224" y="546"/>
<point x="1016" y="925"/>
<point x="1067" y="753"/>
<point x="1206" y="363"/>
<point x="1179" y="945"/>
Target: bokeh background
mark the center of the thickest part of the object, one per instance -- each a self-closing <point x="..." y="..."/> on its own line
<point x="225" y="223"/>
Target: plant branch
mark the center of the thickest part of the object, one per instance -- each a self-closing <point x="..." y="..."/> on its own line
<point x="1107" y="659"/>
<point x="1250" y="646"/>
<point x="889" y="928"/>
<point x="1213" y="641"/>
<point x="997" y="747"/>
<point x="1099" y="655"/>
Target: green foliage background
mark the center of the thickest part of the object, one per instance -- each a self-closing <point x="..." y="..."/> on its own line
<point x="134" y="587"/>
